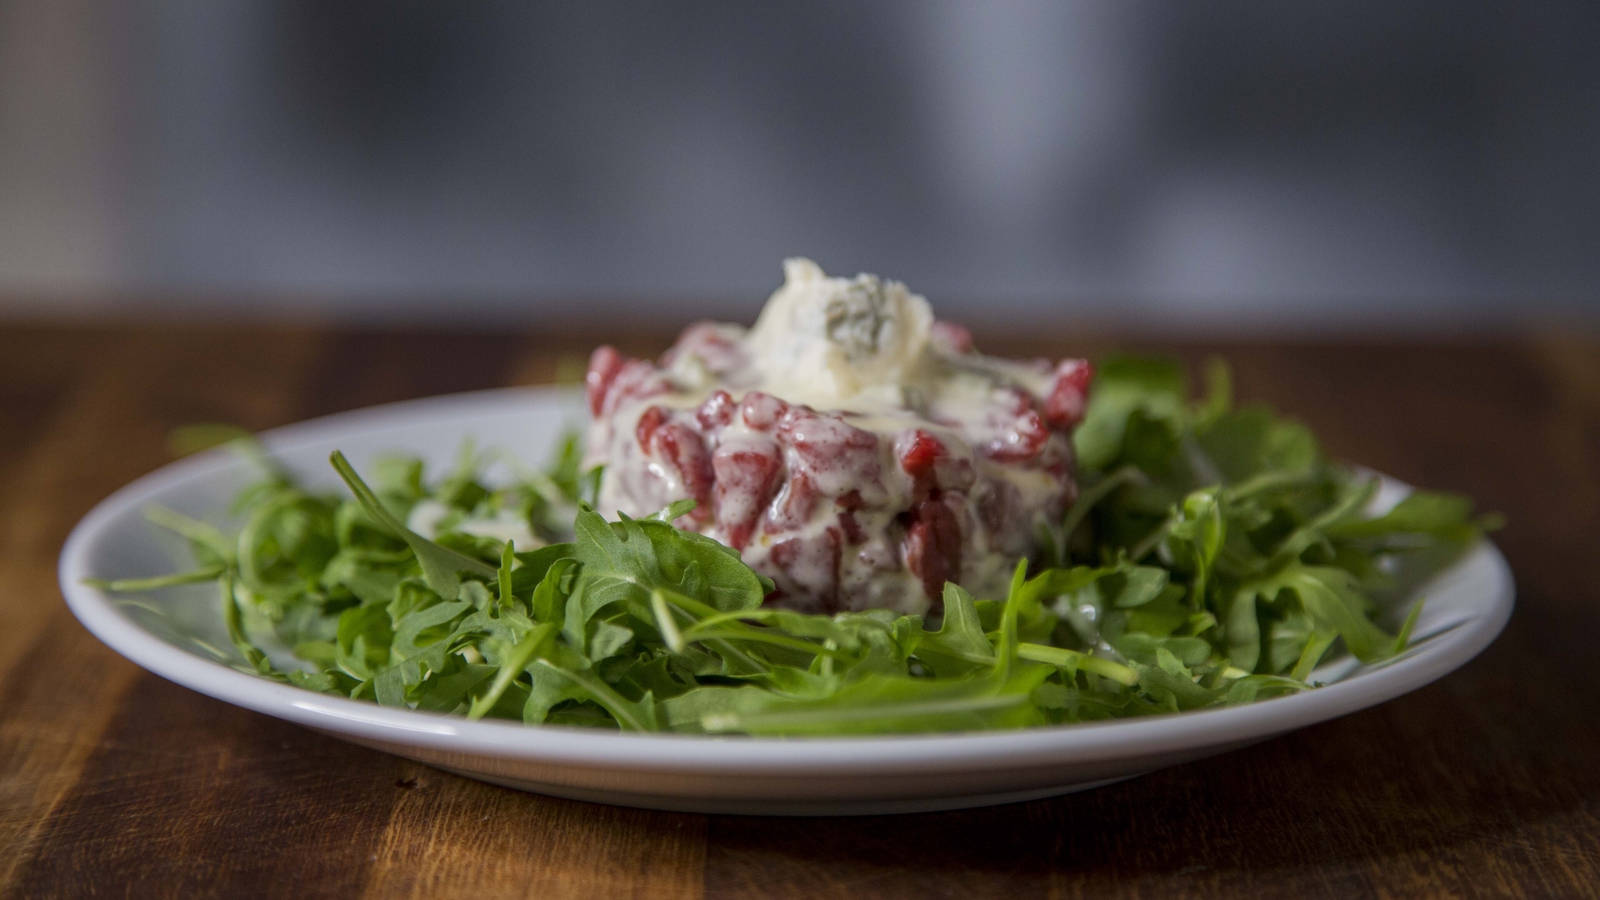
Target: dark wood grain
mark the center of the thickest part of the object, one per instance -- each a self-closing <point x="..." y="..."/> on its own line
<point x="115" y="782"/>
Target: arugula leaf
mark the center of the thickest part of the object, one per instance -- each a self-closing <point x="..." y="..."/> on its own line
<point x="1248" y="442"/>
<point x="878" y="702"/>
<point x="1446" y="516"/>
<point x="960" y="644"/>
<point x="441" y="566"/>
<point x="515" y="662"/>
<point x="1153" y="389"/>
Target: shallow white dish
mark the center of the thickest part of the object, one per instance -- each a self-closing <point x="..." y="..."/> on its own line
<point x="178" y="634"/>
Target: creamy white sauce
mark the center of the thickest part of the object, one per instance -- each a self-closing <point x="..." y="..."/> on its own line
<point x="861" y="344"/>
<point x="833" y="343"/>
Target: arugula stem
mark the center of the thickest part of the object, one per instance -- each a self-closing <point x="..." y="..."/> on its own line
<point x="731" y="652"/>
<point x="155" y="582"/>
<point x="1315" y="647"/>
<point x="1410" y="624"/>
<point x="512" y="666"/>
<point x="1151" y="540"/>
<point x="602" y="694"/>
<point x="700" y="632"/>
<point x="190" y="528"/>
<point x="764" y="613"/>
<point x="825" y="666"/>
<point x="1093" y="494"/>
<point x="375" y="508"/>
<point x="695" y="635"/>
<point x="508" y="559"/>
<point x="732" y="721"/>
<point x="696" y="608"/>
<point x="1061" y="657"/>
<point x="1268" y="481"/>
<point x="668" y="628"/>
<point x="233" y="620"/>
<point x="965" y="655"/>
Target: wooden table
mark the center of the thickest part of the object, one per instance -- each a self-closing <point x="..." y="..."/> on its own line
<point x="114" y="781"/>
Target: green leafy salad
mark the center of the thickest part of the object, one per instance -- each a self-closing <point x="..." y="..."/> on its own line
<point x="1213" y="557"/>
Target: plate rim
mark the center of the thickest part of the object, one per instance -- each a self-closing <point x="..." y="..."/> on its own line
<point x="863" y="755"/>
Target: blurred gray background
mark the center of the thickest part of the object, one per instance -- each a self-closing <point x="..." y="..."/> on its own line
<point x="1356" y="164"/>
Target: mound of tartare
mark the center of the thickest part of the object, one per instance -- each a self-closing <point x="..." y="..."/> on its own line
<point x="850" y="447"/>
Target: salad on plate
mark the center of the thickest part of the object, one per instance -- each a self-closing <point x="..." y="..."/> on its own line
<point x="842" y="520"/>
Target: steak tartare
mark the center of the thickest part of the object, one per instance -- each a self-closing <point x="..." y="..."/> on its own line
<point x="850" y="447"/>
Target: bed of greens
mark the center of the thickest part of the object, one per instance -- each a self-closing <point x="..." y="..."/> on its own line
<point x="1214" y="557"/>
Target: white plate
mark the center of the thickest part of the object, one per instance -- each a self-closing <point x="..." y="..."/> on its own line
<point x="177" y="635"/>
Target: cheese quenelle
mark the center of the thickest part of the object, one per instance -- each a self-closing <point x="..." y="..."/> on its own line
<point x="852" y="448"/>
